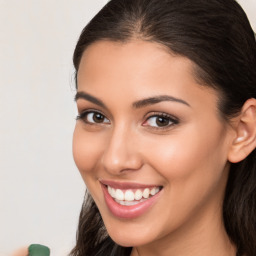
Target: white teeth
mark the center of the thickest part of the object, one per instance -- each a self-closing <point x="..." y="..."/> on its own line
<point x="145" y="193"/>
<point x="110" y="190"/>
<point x="119" y="195"/>
<point x="153" y="191"/>
<point x="127" y="203"/>
<point x="129" y="195"/>
<point x="113" y="193"/>
<point x="138" y="194"/>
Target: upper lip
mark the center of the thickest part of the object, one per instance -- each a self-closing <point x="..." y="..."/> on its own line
<point x="127" y="185"/>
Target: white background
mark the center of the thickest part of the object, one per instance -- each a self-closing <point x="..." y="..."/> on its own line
<point x="40" y="188"/>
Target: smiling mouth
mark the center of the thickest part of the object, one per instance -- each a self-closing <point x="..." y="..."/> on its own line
<point x="130" y="197"/>
<point x="128" y="200"/>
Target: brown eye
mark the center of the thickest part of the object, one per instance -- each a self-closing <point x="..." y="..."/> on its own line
<point x="162" y="121"/>
<point x="98" y="118"/>
<point x="93" y="117"/>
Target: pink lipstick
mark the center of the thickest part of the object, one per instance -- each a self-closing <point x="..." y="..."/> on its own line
<point x="129" y="200"/>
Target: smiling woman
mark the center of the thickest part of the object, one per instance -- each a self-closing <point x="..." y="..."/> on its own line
<point x="166" y="132"/>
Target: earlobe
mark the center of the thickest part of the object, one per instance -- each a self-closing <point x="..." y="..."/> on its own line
<point x="245" y="140"/>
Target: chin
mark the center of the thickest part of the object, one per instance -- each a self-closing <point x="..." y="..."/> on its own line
<point x="128" y="242"/>
<point x="130" y="239"/>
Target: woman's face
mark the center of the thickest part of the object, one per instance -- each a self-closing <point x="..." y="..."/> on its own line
<point x="152" y="137"/>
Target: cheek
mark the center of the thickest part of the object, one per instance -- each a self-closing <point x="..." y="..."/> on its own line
<point x="192" y="153"/>
<point x="193" y="168"/>
<point x="86" y="151"/>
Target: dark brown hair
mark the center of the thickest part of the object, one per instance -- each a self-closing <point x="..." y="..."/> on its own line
<point x="217" y="37"/>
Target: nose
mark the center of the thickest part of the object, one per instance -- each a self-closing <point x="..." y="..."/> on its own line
<point x="121" y="154"/>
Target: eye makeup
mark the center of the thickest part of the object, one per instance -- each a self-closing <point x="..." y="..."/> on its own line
<point x="160" y="120"/>
<point x="91" y="116"/>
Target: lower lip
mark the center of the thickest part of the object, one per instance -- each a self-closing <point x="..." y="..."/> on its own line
<point x="128" y="212"/>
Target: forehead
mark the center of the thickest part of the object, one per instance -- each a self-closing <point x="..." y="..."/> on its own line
<point x="130" y="59"/>
<point x="137" y="69"/>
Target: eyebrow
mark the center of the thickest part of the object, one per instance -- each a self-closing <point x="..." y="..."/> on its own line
<point x="157" y="99"/>
<point x="86" y="96"/>
<point x="136" y="104"/>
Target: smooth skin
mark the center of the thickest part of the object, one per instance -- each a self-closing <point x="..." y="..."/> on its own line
<point x="182" y="144"/>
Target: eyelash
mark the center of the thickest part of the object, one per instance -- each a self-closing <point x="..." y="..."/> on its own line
<point x="172" y="120"/>
<point x="84" y="115"/>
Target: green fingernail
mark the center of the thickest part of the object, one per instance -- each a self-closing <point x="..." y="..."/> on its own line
<point x="38" y="250"/>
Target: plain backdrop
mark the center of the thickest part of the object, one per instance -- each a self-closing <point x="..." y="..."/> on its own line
<point x="41" y="191"/>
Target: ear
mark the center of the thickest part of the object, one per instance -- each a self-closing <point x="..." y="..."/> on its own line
<point x="245" y="133"/>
